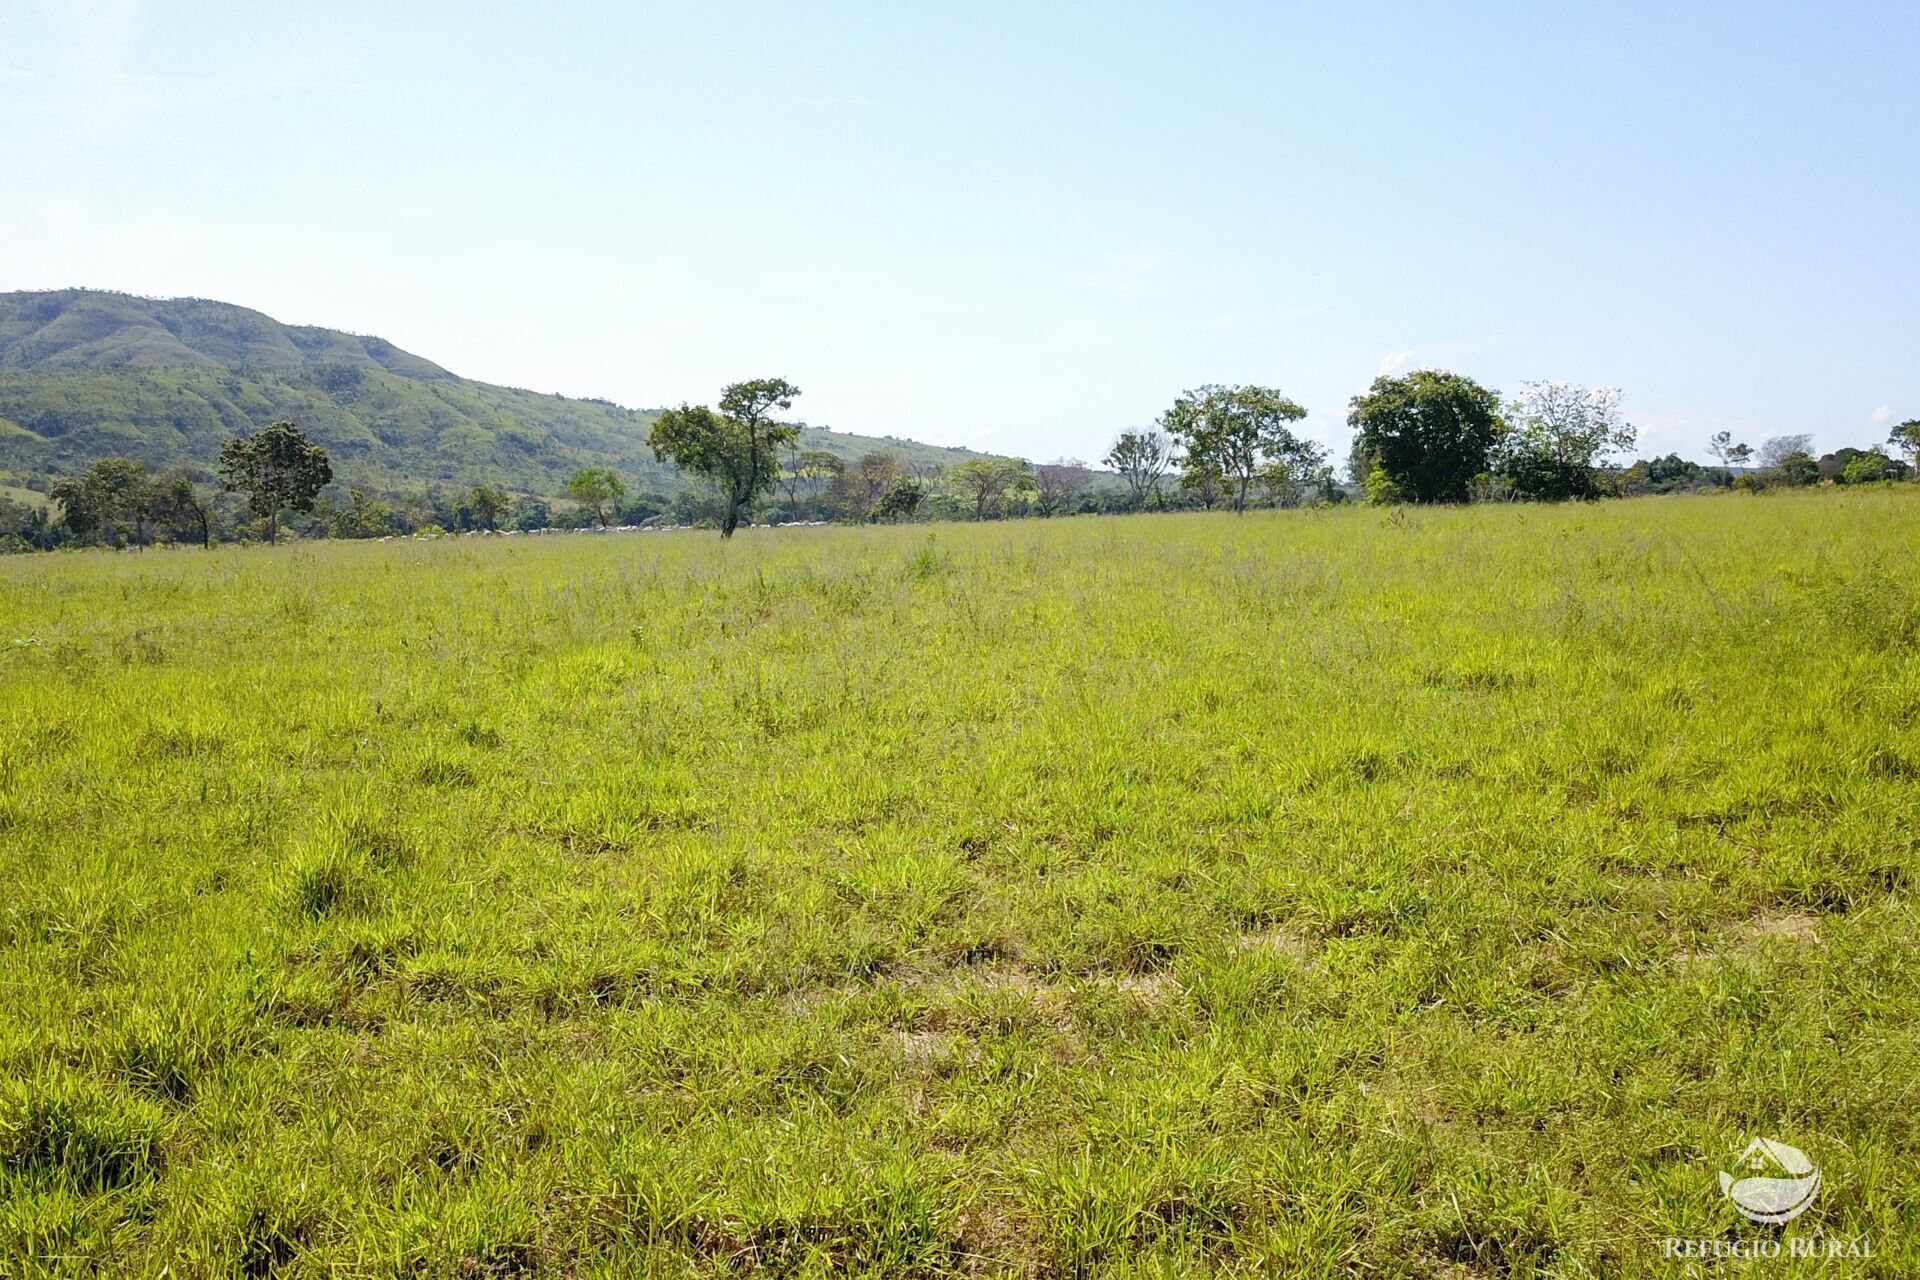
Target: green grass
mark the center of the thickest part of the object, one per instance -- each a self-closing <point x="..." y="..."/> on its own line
<point x="1408" y="893"/>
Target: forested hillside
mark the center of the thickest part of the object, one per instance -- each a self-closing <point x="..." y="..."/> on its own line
<point x="86" y="375"/>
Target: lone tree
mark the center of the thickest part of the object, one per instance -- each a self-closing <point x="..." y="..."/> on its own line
<point x="1143" y="457"/>
<point x="277" y="468"/>
<point x="1424" y="437"/>
<point x="594" y="488"/>
<point x="736" y="448"/>
<point x="1234" y="433"/>
<point x="1721" y="445"/>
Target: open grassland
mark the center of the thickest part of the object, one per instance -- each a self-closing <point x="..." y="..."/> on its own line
<point x="1443" y="892"/>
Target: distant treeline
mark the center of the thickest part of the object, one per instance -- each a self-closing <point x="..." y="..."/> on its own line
<point x="1426" y="437"/>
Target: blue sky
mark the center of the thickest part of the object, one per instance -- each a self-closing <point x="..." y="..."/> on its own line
<point x="1015" y="226"/>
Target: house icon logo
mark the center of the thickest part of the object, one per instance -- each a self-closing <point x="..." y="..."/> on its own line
<point x="1775" y="1184"/>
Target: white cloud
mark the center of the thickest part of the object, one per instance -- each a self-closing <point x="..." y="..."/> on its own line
<point x="1882" y="415"/>
<point x="1394" y="361"/>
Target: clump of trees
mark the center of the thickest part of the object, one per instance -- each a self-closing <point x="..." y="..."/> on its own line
<point x="1425" y="436"/>
<point x="117" y="502"/>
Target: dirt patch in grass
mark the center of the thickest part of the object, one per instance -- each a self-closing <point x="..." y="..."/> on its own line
<point x="1285" y="940"/>
<point x="1795" y="928"/>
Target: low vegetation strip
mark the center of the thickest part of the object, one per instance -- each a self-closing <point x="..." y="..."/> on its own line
<point x="1424" y="891"/>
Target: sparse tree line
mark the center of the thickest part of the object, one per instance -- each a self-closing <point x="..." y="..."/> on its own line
<point x="1425" y="437"/>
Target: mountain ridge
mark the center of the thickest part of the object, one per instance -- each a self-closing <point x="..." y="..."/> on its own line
<point x="88" y="373"/>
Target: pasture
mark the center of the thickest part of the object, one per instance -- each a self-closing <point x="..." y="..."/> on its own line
<point x="1438" y="892"/>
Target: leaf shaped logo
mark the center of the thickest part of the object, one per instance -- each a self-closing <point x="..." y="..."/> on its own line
<point x="1777" y="1185"/>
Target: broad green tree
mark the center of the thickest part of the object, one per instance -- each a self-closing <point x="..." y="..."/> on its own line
<point x="278" y="468"/>
<point x="595" y="488"/>
<point x="1428" y="433"/>
<point x="487" y="503"/>
<point x="1234" y="433"/>
<point x="736" y="448"/>
<point x="1202" y="479"/>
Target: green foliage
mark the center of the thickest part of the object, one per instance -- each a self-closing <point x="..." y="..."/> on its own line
<point x="1238" y="433"/>
<point x="278" y="468"/>
<point x="1381" y="489"/>
<point x="1430" y="433"/>
<point x="488" y="503"/>
<point x="1866" y="468"/>
<point x="114" y="495"/>
<point x="988" y="483"/>
<point x="1142" y="457"/>
<point x="1794" y="470"/>
<point x="532" y="513"/>
<point x="1669" y="474"/>
<point x="363" y="517"/>
<point x="1721" y="445"/>
<point x="1905" y="437"/>
<point x="737" y="449"/>
<point x="901" y="500"/>
<point x="1556" y="434"/>
<point x="594" y="488"/>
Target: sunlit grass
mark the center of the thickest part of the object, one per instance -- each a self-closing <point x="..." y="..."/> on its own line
<point x="1424" y="893"/>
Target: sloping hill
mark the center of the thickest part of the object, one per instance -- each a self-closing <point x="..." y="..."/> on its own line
<point x="86" y="374"/>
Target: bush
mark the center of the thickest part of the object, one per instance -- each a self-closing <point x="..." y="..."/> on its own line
<point x="1867" y="468"/>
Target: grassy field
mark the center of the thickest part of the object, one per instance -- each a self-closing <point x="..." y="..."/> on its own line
<point x="1424" y="892"/>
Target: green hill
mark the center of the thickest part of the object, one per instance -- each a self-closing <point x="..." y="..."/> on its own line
<point x="86" y="375"/>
